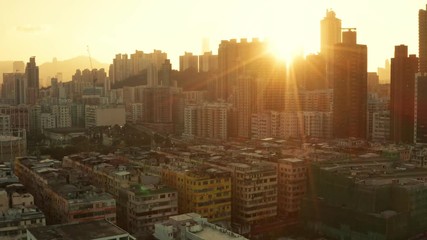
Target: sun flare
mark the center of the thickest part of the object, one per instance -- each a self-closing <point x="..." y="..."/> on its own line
<point x="284" y="52"/>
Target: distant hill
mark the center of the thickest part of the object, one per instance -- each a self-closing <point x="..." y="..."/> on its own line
<point x="67" y="68"/>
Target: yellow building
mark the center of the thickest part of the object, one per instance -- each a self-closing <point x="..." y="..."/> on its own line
<point x="206" y="191"/>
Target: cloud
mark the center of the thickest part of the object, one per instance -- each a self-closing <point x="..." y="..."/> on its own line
<point x="31" y="28"/>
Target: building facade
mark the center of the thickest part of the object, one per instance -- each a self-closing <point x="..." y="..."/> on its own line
<point x="350" y="69"/>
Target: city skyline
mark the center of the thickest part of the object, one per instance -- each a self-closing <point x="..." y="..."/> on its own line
<point x="176" y="27"/>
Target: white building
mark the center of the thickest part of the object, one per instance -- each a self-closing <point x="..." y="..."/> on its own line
<point x="47" y="120"/>
<point x="136" y="112"/>
<point x="62" y="115"/>
<point x="5" y="124"/>
<point x="96" y="116"/>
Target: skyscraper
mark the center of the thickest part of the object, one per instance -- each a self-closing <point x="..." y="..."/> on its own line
<point x="208" y="62"/>
<point x="349" y="75"/>
<point x="32" y="81"/>
<point x="330" y="32"/>
<point x="187" y="61"/>
<point x="165" y="74"/>
<point x="422" y="40"/>
<point x="237" y="58"/>
<point x="250" y="78"/>
<point x="403" y="69"/>
<point x="420" y="107"/>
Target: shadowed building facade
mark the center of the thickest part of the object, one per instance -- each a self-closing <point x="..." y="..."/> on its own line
<point x="349" y="75"/>
<point x="403" y="69"/>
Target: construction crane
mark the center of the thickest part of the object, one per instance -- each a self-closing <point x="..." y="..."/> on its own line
<point x="94" y="77"/>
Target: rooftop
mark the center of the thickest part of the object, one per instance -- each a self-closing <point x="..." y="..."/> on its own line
<point x="70" y="184"/>
<point x="80" y="231"/>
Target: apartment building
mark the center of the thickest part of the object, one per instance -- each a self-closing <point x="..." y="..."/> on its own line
<point x="64" y="195"/>
<point x="203" y="190"/>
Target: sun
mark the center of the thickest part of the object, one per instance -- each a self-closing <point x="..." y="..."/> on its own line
<point x="283" y="51"/>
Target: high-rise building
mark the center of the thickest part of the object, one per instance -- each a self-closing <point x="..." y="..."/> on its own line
<point x="384" y="73"/>
<point x="422" y="40"/>
<point x="32" y="81"/>
<point x="373" y="81"/>
<point x="187" y="61"/>
<point x="349" y="75"/>
<point x="121" y="68"/>
<point x="315" y="72"/>
<point x="330" y="32"/>
<point x="163" y="108"/>
<point x="207" y="120"/>
<point x="240" y="58"/>
<point x="245" y="106"/>
<point x="152" y="76"/>
<point x="208" y="62"/>
<point x="420" y="107"/>
<point x="165" y="74"/>
<point x="13" y="88"/>
<point x="403" y="69"/>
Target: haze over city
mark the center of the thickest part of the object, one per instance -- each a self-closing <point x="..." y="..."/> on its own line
<point x="213" y="120"/>
<point x="48" y="29"/>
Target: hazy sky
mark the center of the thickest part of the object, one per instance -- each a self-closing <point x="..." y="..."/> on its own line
<point x="63" y="28"/>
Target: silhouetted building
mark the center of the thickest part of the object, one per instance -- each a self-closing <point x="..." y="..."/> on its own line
<point x="121" y="68"/>
<point x="163" y="109"/>
<point x="373" y="81"/>
<point x="420" y="123"/>
<point x="239" y="58"/>
<point x="32" y="81"/>
<point x="187" y="61"/>
<point x="349" y="74"/>
<point x="208" y="62"/>
<point x="13" y="88"/>
<point x="250" y="78"/>
<point x="165" y="74"/>
<point x="403" y="69"/>
<point x="422" y="40"/>
<point x="315" y="72"/>
<point x="330" y="32"/>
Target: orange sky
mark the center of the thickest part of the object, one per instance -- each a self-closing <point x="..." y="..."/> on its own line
<point x="63" y="28"/>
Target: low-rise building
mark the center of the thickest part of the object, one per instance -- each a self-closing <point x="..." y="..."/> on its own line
<point x="64" y="195"/>
<point x="141" y="200"/>
<point x="203" y="190"/>
<point x="17" y="208"/>
<point x="192" y="226"/>
<point x="94" y="230"/>
<point x="366" y="198"/>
